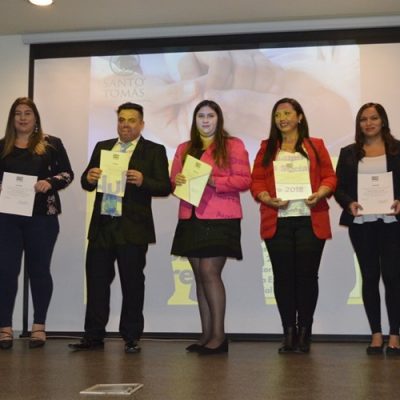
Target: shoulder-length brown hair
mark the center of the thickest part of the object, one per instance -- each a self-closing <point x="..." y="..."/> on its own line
<point x="221" y="135"/>
<point x="387" y="137"/>
<point x="37" y="143"/>
<point x="275" y="135"/>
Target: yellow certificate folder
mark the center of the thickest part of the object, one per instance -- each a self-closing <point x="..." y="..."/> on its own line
<point x="114" y="165"/>
<point x="292" y="179"/>
<point x="196" y="173"/>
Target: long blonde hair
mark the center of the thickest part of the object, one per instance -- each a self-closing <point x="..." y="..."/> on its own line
<point x="37" y="144"/>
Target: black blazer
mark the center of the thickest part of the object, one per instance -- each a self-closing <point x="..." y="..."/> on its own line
<point x="137" y="219"/>
<point x="54" y="168"/>
<point x="346" y="172"/>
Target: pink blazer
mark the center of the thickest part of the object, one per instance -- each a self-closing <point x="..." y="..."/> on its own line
<point x="221" y="201"/>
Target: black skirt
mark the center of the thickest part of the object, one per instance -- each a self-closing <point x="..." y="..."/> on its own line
<point x="207" y="238"/>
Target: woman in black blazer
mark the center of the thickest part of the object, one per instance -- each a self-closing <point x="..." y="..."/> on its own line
<point x="26" y="150"/>
<point x="375" y="238"/>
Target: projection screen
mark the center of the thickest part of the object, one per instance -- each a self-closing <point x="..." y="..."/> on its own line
<point x="77" y="98"/>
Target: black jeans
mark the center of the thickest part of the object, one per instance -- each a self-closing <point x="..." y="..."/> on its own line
<point x="295" y="254"/>
<point x="377" y="246"/>
<point x="35" y="237"/>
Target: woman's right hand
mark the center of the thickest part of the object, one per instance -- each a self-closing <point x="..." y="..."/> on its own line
<point x="354" y="207"/>
<point x="274" y="202"/>
<point x="180" y="179"/>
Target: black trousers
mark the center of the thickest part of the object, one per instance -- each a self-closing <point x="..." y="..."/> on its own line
<point x="377" y="246"/>
<point x="100" y="272"/>
<point x="295" y="254"/>
<point x="35" y="237"/>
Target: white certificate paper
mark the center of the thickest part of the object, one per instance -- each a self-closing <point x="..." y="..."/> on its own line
<point x="17" y="194"/>
<point x="114" y="165"/>
<point x="197" y="173"/>
<point x="292" y="179"/>
<point x="375" y="193"/>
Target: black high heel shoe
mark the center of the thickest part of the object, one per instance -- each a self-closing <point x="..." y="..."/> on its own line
<point x="289" y="341"/>
<point x="375" y="350"/>
<point x="193" y="348"/>
<point x="392" y="351"/>
<point x="7" y="340"/>
<point x="222" y="348"/>
<point x="36" y="343"/>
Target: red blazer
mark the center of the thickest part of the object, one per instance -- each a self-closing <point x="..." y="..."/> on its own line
<point x="221" y="201"/>
<point x="321" y="174"/>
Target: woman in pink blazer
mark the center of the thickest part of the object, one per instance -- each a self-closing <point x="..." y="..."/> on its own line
<point x="294" y="231"/>
<point x="209" y="233"/>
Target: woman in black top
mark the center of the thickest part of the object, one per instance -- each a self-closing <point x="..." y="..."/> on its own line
<point x="375" y="237"/>
<point x="26" y="150"/>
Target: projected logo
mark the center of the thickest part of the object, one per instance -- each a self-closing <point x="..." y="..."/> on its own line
<point x="125" y="65"/>
<point x="125" y="82"/>
<point x="183" y="282"/>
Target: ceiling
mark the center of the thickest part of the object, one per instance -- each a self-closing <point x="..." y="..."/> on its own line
<point x="20" y="17"/>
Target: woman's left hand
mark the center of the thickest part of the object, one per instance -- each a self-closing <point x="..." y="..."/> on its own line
<point x="42" y="186"/>
<point x="312" y="200"/>
<point x="395" y="207"/>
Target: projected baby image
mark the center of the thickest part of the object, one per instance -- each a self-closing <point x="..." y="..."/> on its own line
<point x="246" y="83"/>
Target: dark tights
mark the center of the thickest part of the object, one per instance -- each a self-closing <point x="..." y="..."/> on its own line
<point x="210" y="292"/>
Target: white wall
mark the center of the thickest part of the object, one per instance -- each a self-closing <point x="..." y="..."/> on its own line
<point x="14" y="74"/>
<point x="14" y="70"/>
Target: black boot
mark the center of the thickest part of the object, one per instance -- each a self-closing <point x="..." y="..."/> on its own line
<point x="304" y="342"/>
<point x="289" y="343"/>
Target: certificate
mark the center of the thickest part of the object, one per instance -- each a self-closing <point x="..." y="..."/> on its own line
<point x="17" y="194"/>
<point x="197" y="173"/>
<point x="114" y="165"/>
<point x="292" y="179"/>
<point x="375" y="193"/>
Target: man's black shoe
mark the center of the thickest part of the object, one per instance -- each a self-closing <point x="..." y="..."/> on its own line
<point x="132" y="347"/>
<point x="86" y="344"/>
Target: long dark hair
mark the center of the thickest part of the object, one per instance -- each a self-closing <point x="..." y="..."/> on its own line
<point x="275" y="135"/>
<point x="387" y="137"/>
<point x="37" y="143"/>
<point x="221" y="135"/>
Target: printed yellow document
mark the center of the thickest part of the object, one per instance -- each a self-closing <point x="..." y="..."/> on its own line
<point x="375" y="193"/>
<point x="197" y="173"/>
<point x="114" y="165"/>
<point x="292" y="179"/>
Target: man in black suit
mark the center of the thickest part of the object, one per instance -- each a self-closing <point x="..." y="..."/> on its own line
<point x="121" y="229"/>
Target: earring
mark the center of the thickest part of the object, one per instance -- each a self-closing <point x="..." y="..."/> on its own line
<point x="36" y="128"/>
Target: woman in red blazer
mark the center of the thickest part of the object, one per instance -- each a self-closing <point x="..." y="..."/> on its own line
<point x="294" y="231"/>
<point x="209" y="233"/>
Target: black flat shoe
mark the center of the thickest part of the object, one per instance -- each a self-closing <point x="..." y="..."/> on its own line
<point x="392" y="351"/>
<point x="132" y="347"/>
<point x="193" y="348"/>
<point x="7" y="340"/>
<point x="222" y="348"/>
<point x="36" y="343"/>
<point x="375" y="350"/>
<point x="86" y="344"/>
